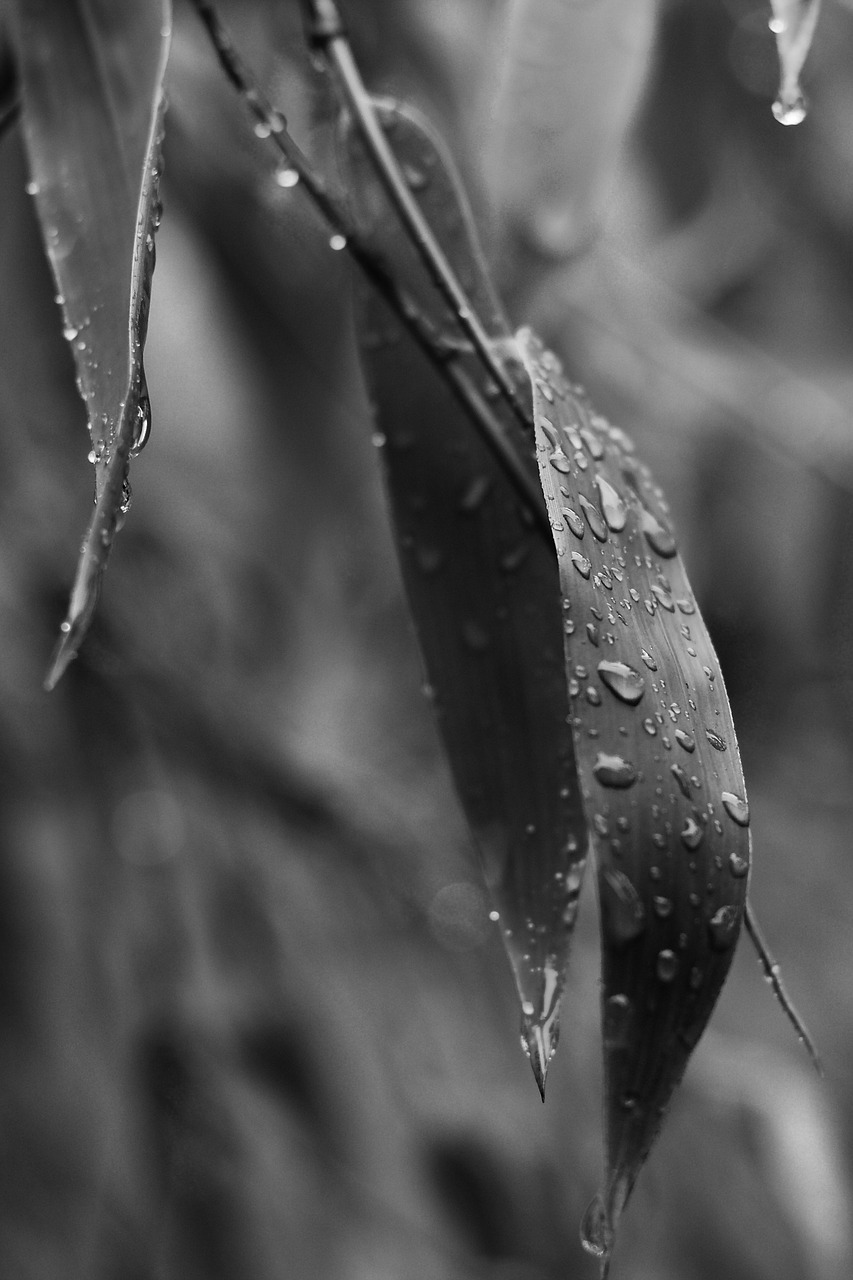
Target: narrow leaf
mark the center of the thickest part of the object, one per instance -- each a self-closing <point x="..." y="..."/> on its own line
<point x="482" y="586"/>
<point x="658" y="763"/>
<point x="793" y="23"/>
<point x="91" y="75"/>
<point x="569" y="80"/>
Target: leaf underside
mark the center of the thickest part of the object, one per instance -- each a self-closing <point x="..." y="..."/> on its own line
<point x="481" y="583"/>
<point x="91" y="74"/>
<point x="658" y="763"/>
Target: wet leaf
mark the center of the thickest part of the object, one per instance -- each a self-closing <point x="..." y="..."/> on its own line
<point x="570" y="78"/>
<point x="91" y="75"/>
<point x="793" y="23"/>
<point x="482" y="586"/>
<point x="658" y="763"/>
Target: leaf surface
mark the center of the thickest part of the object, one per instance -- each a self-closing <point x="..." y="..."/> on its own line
<point x="482" y="586"/>
<point x="658" y="764"/>
<point x="91" y="74"/>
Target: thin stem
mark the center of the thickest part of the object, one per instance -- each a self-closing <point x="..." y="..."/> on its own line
<point x="9" y="114"/>
<point x="274" y="126"/>
<point x="327" y="34"/>
<point x="773" y="975"/>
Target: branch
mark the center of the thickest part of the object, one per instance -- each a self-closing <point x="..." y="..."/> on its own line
<point x="274" y="126"/>
<point x="326" y="34"/>
<point x="773" y="975"/>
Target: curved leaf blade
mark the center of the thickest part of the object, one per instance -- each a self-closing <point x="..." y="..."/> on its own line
<point x="482" y="587"/>
<point x="91" y="76"/>
<point x="658" y="763"/>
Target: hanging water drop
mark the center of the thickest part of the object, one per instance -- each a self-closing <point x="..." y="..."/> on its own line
<point x="595" y="1229"/>
<point x="286" y="177"/>
<point x="622" y="680"/>
<point x="594" y="519"/>
<point x="615" y="511"/>
<point x="337" y="242"/>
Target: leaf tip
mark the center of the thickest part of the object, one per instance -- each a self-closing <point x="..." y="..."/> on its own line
<point x="65" y="651"/>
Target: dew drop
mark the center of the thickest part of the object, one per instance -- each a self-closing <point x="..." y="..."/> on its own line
<point x="692" y="835"/>
<point x="649" y="660"/>
<point x="622" y="680"/>
<point x="574" y="522"/>
<point x="286" y="177"/>
<point x="791" y="108"/>
<point x="659" y="538"/>
<point x="595" y="1228"/>
<point x="527" y="1008"/>
<point x="581" y="563"/>
<point x="662" y="906"/>
<point x="777" y="25"/>
<point x="593" y="444"/>
<point x="718" y="743"/>
<point x="617" y="1020"/>
<point x="337" y="242"/>
<point x="416" y="179"/>
<point x="592" y="633"/>
<point x="494" y="916"/>
<point x="69" y="333"/>
<point x="738" y="865"/>
<point x="650" y="727"/>
<point x="613" y="771"/>
<point x="560" y="462"/>
<point x="684" y="740"/>
<point x="722" y="927"/>
<point x="615" y="511"/>
<point x="667" y="965"/>
<point x="593" y="697"/>
<point x="682" y="779"/>
<point x="736" y="807"/>
<point x="663" y="598"/>
<point x="475" y="493"/>
<point x="594" y="519"/>
<point x="623" y="913"/>
<point x="65" y="627"/>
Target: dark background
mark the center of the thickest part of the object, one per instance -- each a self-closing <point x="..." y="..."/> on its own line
<point x="254" y="1022"/>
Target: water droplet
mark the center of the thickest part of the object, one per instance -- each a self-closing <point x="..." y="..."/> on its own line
<point x="650" y="727"/>
<point x="615" y="511"/>
<point x="594" y="519"/>
<point x="613" y="771"/>
<point x="415" y="178"/>
<point x="682" y="780"/>
<point x="663" y="598"/>
<point x="596" y="1231"/>
<point x="777" y="25"/>
<point x="659" y="538"/>
<point x="475" y="493"/>
<point x="662" y="906"/>
<point x="581" y="563"/>
<point x="686" y="606"/>
<point x="649" y="660"/>
<point x="791" y="107"/>
<point x="286" y="177"/>
<point x="592" y="632"/>
<point x="527" y="1008"/>
<point x="667" y="965"/>
<point x="593" y="444"/>
<point x="337" y="242"/>
<point x="494" y="916"/>
<point x="574" y="522"/>
<point x="738" y="865"/>
<point x="69" y="333"/>
<point x="718" y="743"/>
<point x="722" y="927"/>
<point x="560" y="462"/>
<point x="692" y="835"/>
<point x="622" y="680"/>
<point x="593" y="697"/>
<point x="65" y="627"/>
<point x="126" y="496"/>
<point x="617" y="1019"/>
<point x="684" y="740"/>
<point x="378" y="440"/>
<point x="736" y="807"/>
<point x="623" y="912"/>
<point x="32" y="188"/>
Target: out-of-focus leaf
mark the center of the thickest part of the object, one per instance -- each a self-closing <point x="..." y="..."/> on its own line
<point x="793" y="23"/>
<point x="482" y="586"/>
<point x="91" y="74"/>
<point x="569" y="83"/>
<point x="658" y="764"/>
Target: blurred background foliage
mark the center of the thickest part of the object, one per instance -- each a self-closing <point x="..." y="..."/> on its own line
<point x="255" y="1022"/>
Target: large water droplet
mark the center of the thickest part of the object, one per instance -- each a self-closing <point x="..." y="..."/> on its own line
<point x="791" y="108"/>
<point x="594" y="519"/>
<point x="574" y="522"/>
<point x="722" y="927"/>
<point x="682" y="779"/>
<point x="623" y="913"/>
<point x="286" y="177"/>
<point x="615" y="511"/>
<point x="581" y="563"/>
<point x="560" y="462"/>
<point x="736" y="807"/>
<point x="684" y="740"/>
<point x="622" y="680"/>
<point x="738" y="865"/>
<point x="718" y="743"/>
<point x="613" y="771"/>
<point x="595" y="1229"/>
<point x="649" y="660"/>
<point x="659" y="538"/>
<point x="616" y="1027"/>
<point x="692" y="835"/>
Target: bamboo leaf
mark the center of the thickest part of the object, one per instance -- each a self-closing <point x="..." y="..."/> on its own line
<point x="569" y="80"/>
<point x="482" y="586"/>
<point x="659" y="769"/>
<point x="91" y="75"/>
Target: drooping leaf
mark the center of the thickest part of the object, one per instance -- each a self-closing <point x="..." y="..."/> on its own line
<point x="793" y="23"/>
<point x="91" y="75"/>
<point x="482" y="585"/>
<point x="658" y="764"/>
<point x="569" y="80"/>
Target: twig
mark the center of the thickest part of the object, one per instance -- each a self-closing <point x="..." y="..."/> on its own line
<point x="773" y="975"/>
<point x="327" y="34"/>
<point x="334" y="211"/>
